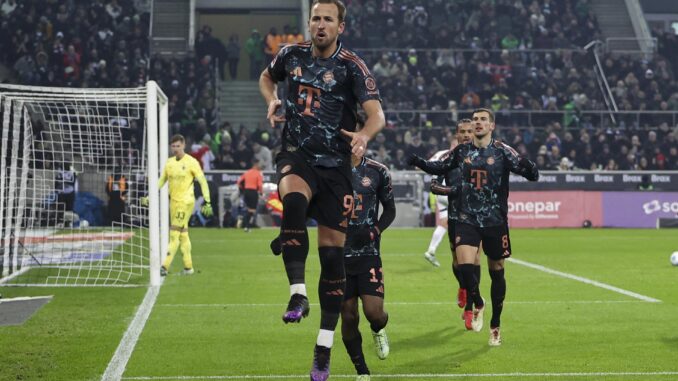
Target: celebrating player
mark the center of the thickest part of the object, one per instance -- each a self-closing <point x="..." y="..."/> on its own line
<point x="485" y="165"/>
<point x="364" y="277"/>
<point x="181" y="170"/>
<point x="447" y="188"/>
<point x="325" y="81"/>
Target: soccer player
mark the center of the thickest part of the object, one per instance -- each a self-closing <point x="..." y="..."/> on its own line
<point x="325" y="82"/>
<point x="485" y="165"/>
<point x="447" y="187"/>
<point x="252" y="185"/>
<point x="364" y="277"/>
<point x="441" y="218"/>
<point x="180" y="171"/>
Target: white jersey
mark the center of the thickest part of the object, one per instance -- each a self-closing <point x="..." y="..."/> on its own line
<point x="441" y="201"/>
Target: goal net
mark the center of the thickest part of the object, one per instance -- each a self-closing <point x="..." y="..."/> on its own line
<point x="73" y="166"/>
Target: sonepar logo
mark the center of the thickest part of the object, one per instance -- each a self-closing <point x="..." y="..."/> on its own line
<point x="655" y="206"/>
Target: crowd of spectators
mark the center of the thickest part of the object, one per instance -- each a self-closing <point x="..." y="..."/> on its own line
<point x="75" y="44"/>
<point x="105" y="43"/>
<point x="488" y="60"/>
<point x="553" y="148"/>
<point x="497" y="59"/>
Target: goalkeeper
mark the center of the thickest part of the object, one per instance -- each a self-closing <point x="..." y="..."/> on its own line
<point x="181" y="170"/>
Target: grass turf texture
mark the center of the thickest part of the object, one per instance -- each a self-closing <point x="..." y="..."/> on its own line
<point x="226" y="319"/>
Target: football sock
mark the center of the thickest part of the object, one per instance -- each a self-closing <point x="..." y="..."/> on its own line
<point x="498" y="292"/>
<point x="471" y="286"/>
<point x="294" y="237"/>
<point x="331" y="286"/>
<point x="171" y="249"/>
<point x="438" y="235"/>
<point x="476" y="272"/>
<point x="247" y="219"/>
<point x="185" y="244"/>
<point x="457" y="275"/>
<point x="298" y="288"/>
<point x="354" y="347"/>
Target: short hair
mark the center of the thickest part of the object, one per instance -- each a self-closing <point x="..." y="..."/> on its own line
<point x="177" y="138"/>
<point x="462" y="121"/>
<point x="487" y="110"/>
<point x="341" y="8"/>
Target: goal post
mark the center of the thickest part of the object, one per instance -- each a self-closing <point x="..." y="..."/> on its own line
<point x="74" y="164"/>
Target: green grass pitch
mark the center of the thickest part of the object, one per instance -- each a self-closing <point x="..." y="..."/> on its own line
<point x="224" y="322"/>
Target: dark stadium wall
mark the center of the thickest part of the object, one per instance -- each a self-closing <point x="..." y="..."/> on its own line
<point x="226" y="24"/>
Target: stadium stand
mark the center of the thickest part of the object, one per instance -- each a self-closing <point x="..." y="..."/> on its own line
<point x="435" y="61"/>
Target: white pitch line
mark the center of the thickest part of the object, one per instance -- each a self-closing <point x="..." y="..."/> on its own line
<point x="221" y="305"/>
<point x="23" y="298"/>
<point x="413" y="375"/>
<point x="116" y="367"/>
<point x="585" y="280"/>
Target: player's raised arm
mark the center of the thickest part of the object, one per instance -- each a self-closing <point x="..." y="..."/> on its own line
<point x="435" y="167"/>
<point x="520" y="165"/>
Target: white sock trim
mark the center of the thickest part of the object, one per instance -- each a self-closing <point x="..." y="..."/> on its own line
<point x="298" y="288"/>
<point x="325" y="338"/>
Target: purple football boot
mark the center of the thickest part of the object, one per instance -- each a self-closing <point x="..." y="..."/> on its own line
<point x="321" y="363"/>
<point x="296" y="309"/>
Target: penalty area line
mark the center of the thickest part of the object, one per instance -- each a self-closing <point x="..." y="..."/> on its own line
<point x="584" y="280"/>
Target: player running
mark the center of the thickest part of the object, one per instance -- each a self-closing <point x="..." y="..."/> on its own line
<point x="180" y="171"/>
<point x="364" y="277"/>
<point x="446" y="189"/>
<point x="485" y="165"/>
<point x="325" y="81"/>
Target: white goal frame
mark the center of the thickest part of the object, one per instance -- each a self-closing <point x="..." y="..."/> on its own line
<point x="156" y="142"/>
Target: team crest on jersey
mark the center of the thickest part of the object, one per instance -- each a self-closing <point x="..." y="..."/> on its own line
<point x="370" y="84"/>
<point x="490" y="160"/>
<point x="366" y="182"/>
<point x="328" y="77"/>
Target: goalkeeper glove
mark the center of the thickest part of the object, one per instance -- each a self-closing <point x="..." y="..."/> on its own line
<point x="143" y="201"/>
<point x="206" y="209"/>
